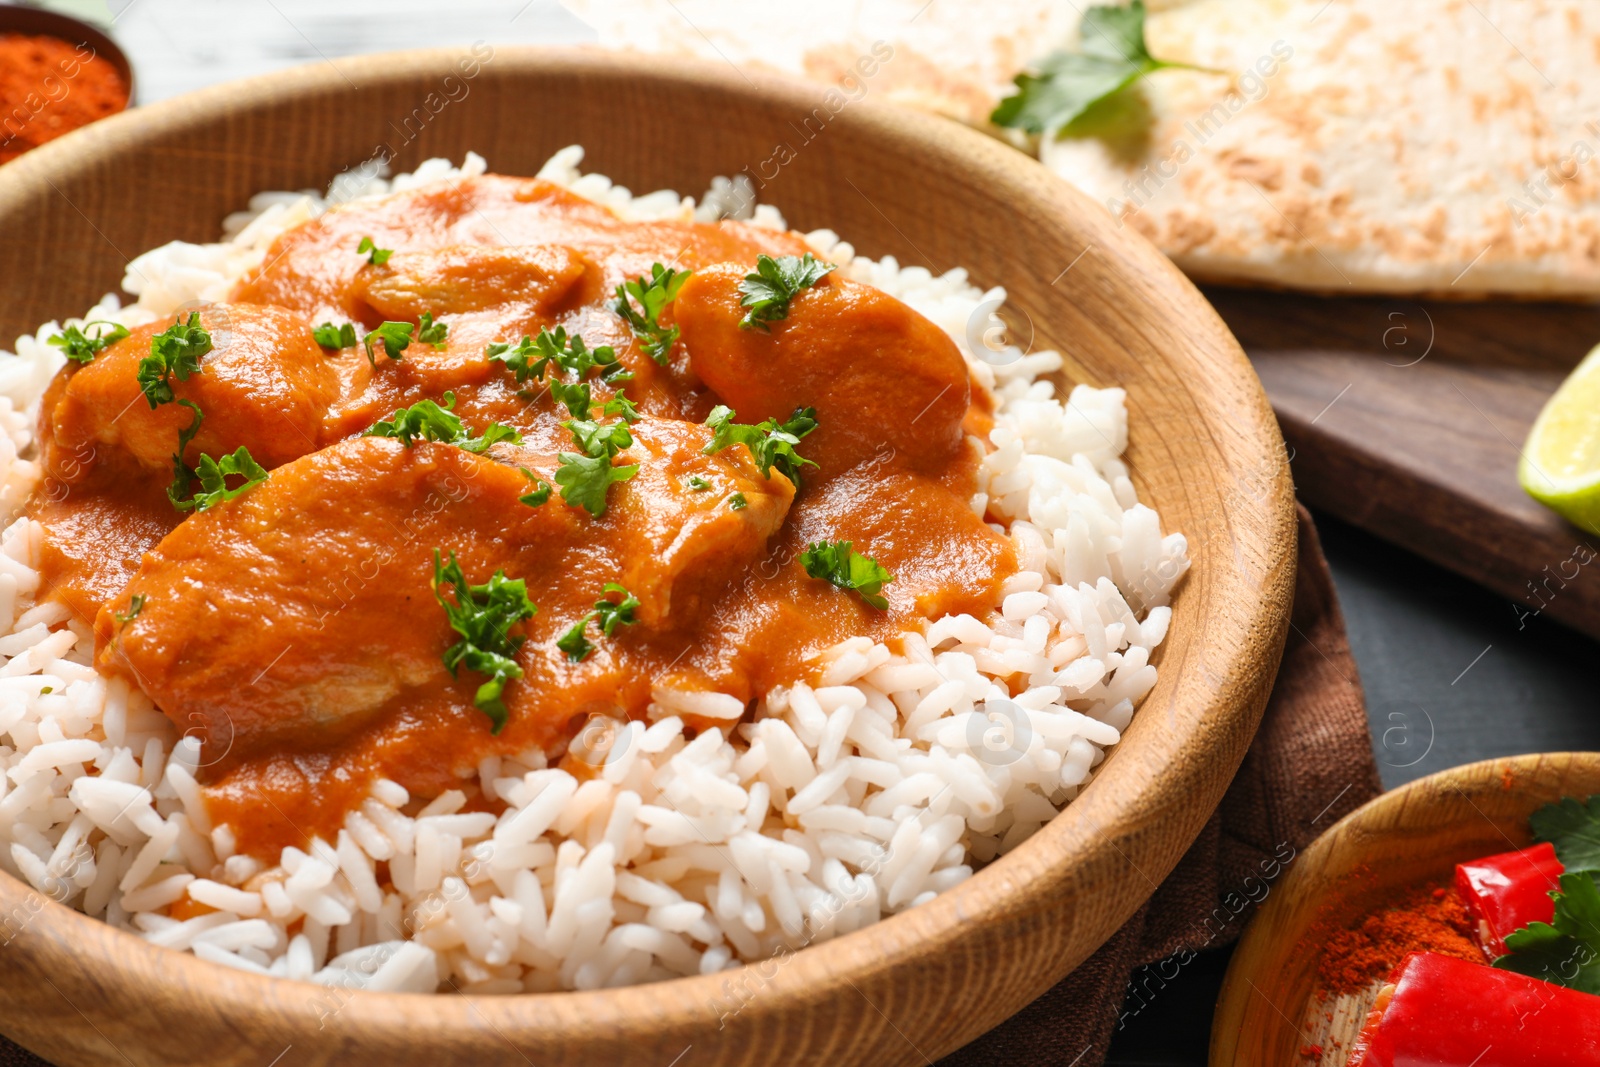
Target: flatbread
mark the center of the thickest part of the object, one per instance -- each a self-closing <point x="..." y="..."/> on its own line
<point x="1390" y="146"/>
<point x="1356" y="146"/>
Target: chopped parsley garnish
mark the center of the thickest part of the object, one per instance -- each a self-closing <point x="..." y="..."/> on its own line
<point x="1566" y="950"/>
<point x="80" y="347"/>
<point x="585" y="479"/>
<point x="375" y="255"/>
<point x="737" y="502"/>
<point x="427" y="421"/>
<point x="846" y="568"/>
<point x="771" y="443"/>
<point x="698" y="484"/>
<point x="539" y="493"/>
<point x="330" y="336"/>
<point x="214" y="475"/>
<point x="619" y="406"/>
<point x="521" y="359"/>
<point x="396" y="338"/>
<point x="652" y="292"/>
<point x="531" y="358"/>
<point x="774" y="283"/>
<point x="483" y="616"/>
<point x="430" y="332"/>
<point x="575" y="397"/>
<point x="174" y="353"/>
<point x="1072" y="93"/>
<point x="609" y="613"/>
<point x="135" y="605"/>
<point x="182" y="473"/>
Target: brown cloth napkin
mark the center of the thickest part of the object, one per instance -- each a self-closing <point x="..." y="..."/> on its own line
<point x="1310" y="764"/>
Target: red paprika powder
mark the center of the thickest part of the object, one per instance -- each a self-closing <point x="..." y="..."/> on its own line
<point x="1429" y="918"/>
<point x="49" y="87"/>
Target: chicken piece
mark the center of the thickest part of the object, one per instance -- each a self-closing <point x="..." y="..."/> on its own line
<point x="265" y="385"/>
<point x="293" y="615"/>
<point x="466" y="279"/>
<point x="678" y="545"/>
<point x="884" y="380"/>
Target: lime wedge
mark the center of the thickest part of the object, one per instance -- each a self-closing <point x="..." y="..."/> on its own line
<point x="1560" y="464"/>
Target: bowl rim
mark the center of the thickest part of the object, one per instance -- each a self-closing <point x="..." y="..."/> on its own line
<point x="1384" y="815"/>
<point x="1089" y="824"/>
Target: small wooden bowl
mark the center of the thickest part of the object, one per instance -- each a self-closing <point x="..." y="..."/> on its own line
<point x="1406" y="837"/>
<point x="1204" y="449"/>
<point x="37" y="21"/>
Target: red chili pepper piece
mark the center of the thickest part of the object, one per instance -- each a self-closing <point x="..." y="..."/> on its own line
<point x="1439" y="1011"/>
<point x="1508" y="891"/>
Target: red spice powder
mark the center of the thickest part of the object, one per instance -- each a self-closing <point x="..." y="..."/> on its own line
<point x="49" y="87"/>
<point x="1428" y="918"/>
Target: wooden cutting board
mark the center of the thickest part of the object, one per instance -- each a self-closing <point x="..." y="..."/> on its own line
<point x="1406" y="418"/>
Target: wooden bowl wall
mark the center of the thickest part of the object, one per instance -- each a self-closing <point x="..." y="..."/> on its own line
<point x="1205" y="450"/>
<point x="1407" y="836"/>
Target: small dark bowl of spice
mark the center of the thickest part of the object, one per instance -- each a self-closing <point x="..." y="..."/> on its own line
<point x="56" y="75"/>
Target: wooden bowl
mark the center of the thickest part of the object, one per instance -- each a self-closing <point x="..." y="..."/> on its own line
<point x="37" y="21"/>
<point x="1205" y="450"/>
<point x="1407" y="836"/>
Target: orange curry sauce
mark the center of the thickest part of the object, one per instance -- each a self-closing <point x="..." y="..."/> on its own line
<point x="294" y="629"/>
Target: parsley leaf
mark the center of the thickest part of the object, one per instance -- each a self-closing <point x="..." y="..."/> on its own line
<point x="375" y="255"/>
<point x="213" y="476"/>
<point x="182" y="474"/>
<point x="330" y="336"/>
<point x="396" y="338"/>
<point x="621" y="407"/>
<point x="530" y="358"/>
<point x="610" y="614"/>
<point x="767" y="292"/>
<point x="430" y="332"/>
<point x="81" y="348"/>
<point x="585" y="479"/>
<point x="1573" y="827"/>
<point x="213" y="473"/>
<point x="603" y="439"/>
<point x="483" y="616"/>
<point x="135" y="605"/>
<point x="537" y="495"/>
<point x="770" y="443"/>
<point x="1566" y="950"/>
<point x="1068" y="88"/>
<point x="846" y="568"/>
<point x="174" y="353"/>
<point x="519" y="358"/>
<point x="737" y="502"/>
<point x="653" y="292"/>
<point x="575" y="397"/>
<point x="427" y="421"/>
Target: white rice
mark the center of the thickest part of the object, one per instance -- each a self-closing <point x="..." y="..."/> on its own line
<point x="839" y="804"/>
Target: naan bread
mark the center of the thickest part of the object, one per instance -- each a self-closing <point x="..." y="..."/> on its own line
<point x="1391" y="146"/>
